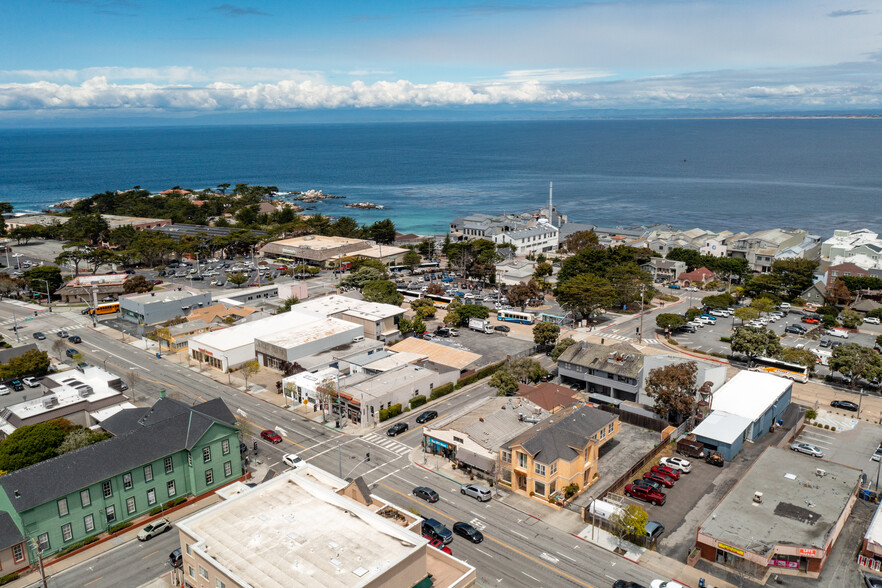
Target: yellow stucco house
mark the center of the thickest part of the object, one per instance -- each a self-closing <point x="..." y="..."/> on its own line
<point x="559" y="451"/>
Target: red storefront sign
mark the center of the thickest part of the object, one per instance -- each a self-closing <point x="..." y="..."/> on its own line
<point x="783" y="563"/>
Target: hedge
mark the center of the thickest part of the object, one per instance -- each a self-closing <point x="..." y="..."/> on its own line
<point x="487" y="370"/>
<point x="418" y="401"/>
<point x="388" y="413"/>
<point x="171" y="503"/>
<point x="119" y="527"/>
<point x="8" y="578"/>
<point x="441" y="391"/>
<point x="76" y="545"/>
<point x="726" y="339"/>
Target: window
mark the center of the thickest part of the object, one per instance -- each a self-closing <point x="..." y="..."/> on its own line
<point x="17" y="553"/>
<point x="189" y="551"/>
<point x="169" y="466"/>
<point x="151" y="497"/>
<point x="553" y="469"/>
<point x="191" y="571"/>
<point x="171" y="488"/>
<point x="43" y="541"/>
<point x="539" y="469"/>
<point x="209" y="477"/>
<point x="89" y="523"/>
<point x="130" y="505"/>
<point x="506" y="476"/>
<point x="110" y="512"/>
<point x="506" y="456"/>
<point x="539" y="488"/>
<point x="107" y="489"/>
<point x="206" y="454"/>
<point x="610" y="429"/>
<point x="551" y="488"/>
<point x="219" y="584"/>
<point x="66" y="532"/>
<point x="458" y="440"/>
<point x="148" y="473"/>
<point x="127" y="481"/>
<point x="62" y="507"/>
<point x="228" y="469"/>
<point x="225" y="446"/>
<point x="522" y="460"/>
<point x="203" y="572"/>
<point x="602" y="433"/>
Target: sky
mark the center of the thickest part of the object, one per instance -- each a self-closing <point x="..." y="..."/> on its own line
<point x="137" y="58"/>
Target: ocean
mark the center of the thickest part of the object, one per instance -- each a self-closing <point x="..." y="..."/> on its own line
<point x="736" y="174"/>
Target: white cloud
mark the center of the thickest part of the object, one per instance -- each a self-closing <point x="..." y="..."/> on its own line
<point x="164" y="75"/>
<point x="99" y="94"/>
<point x="555" y="74"/>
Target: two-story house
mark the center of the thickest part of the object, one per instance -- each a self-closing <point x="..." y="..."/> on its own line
<point x="609" y="370"/>
<point x="157" y="454"/>
<point x="561" y="451"/>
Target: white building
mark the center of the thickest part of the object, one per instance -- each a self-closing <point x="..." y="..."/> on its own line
<point x="307" y="338"/>
<point x="380" y="321"/>
<point x="540" y="238"/>
<point x="845" y="244"/>
<point x="303" y="388"/>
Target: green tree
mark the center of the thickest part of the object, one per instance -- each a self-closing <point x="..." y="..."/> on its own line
<point x="562" y="346"/>
<point x="411" y="260"/>
<point x="405" y="325"/>
<point x="526" y="369"/>
<point x="850" y="319"/>
<point x="79" y="438"/>
<point x="669" y="321"/>
<point x="762" y="284"/>
<point x="545" y="334"/>
<point x="237" y="278"/>
<point x="719" y="301"/>
<point x="250" y="369"/>
<point x="800" y="356"/>
<point x="673" y="387"/>
<point x="794" y="275"/>
<point x="755" y="342"/>
<point x="505" y="382"/>
<point x="28" y="445"/>
<point x="856" y="361"/>
<point x="27" y="232"/>
<point x="627" y="280"/>
<point x="427" y="247"/>
<point x="382" y="231"/>
<point x="423" y="307"/>
<point x="382" y="291"/>
<point x="629" y="521"/>
<point x="5" y="208"/>
<point x="286" y="306"/>
<point x="543" y="270"/>
<point x="37" y="277"/>
<point x="32" y="362"/>
<point x="746" y="313"/>
<point x="763" y="304"/>
<point x="520" y="294"/>
<point x="581" y="240"/>
<point x="464" y="312"/>
<point x="586" y="294"/>
<point x="136" y="284"/>
<point x="85" y="228"/>
<point x="73" y="254"/>
<point x="419" y="327"/>
<point x="361" y="276"/>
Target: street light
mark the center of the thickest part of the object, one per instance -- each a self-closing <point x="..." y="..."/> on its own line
<point x="366" y="459"/>
<point x="48" y="295"/>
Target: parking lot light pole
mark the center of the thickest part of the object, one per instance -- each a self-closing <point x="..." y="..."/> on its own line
<point x="48" y="295"/>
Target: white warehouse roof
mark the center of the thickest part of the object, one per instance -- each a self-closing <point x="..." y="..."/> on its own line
<point x="246" y="333"/>
<point x="333" y="304"/>
<point x="722" y="426"/>
<point x="749" y="394"/>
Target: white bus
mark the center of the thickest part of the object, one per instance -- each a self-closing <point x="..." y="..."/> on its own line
<point x="792" y="371"/>
<point x="514" y="316"/>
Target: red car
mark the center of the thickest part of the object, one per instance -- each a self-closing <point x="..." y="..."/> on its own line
<point x="647" y="493"/>
<point x="438" y="544"/>
<point x="667" y="471"/>
<point x="810" y="320"/>
<point x="271" y="436"/>
<point x="656" y="477"/>
<point x="281" y="268"/>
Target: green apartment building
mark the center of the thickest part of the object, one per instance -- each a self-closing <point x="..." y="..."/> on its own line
<point x="156" y="454"/>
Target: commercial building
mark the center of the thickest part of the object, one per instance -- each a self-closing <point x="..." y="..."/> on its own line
<point x="437" y="354"/>
<point x="379" y="321"/>
<point x="561" y="451"/>
<point x="744" y="409"/>
<point x="539" y="238"/>
<point x="179" y="335"/>
<point x="386" y="254"/>
<point x="252" y="295"/>
<point x="151" y="308"/>
<point x="871" y="545"/>
<point x="613" y="371"/>
<point x="92" y="289"/>
<point x="784" y="515"/>
<point x="314" y="249"/>
<point x="548" y="396"/>
<point x="156" y="454"/>
<point x="177" y="231"/>
<point x="472" y="437"/>
<point x="308" y="528"/>
<point x="295" y="342"/>
<point x="298" y="290"/>
<point x="114" y="221"/>
<point x="221" y="314"/>
<point x="845" y="244"/>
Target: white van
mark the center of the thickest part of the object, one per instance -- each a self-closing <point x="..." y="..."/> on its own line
<point x="838" y="333"/>
<point x="604" y="510"/>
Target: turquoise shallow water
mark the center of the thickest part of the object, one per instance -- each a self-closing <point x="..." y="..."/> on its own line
<point x="717" y="174"/>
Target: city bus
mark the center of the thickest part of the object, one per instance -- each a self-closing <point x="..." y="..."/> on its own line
<point x="792" y="371"/>
<point x="440" y="300"/>
<point x="514" y="316"/>
<point x="106" y="308"/>
<point x="410" y="294"/>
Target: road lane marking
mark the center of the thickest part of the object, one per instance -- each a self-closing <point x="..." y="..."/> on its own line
<point x="532" y="578"/>
<point x="566" y="556"/>
<point x="519" y="535"/>
<point x="93" y="581"/>
<point x="484" y="552"/>
<point x="150" y="554"/>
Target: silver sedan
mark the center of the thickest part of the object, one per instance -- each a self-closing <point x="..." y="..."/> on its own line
<point x="807" y="449"/>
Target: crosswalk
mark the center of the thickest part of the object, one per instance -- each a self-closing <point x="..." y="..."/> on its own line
<point x="387" y="443"/>
<point x="22" y="323"/>
<point x="646" y="341"/>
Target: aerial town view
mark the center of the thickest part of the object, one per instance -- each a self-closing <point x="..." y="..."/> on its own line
<point x="441" y="294"/>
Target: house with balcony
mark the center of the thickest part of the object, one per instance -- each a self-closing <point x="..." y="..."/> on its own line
<point x="156" y="454"/>
<point x="609" y="370"/>
<point x="559" y="455"/>
<point x="664" y="270"/>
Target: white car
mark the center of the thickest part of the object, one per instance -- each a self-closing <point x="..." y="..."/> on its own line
<point x="695" y="323"/>
<point x="293" y="460"/>
<point x="784" y="306"/>
<point x="678" y="463"/>
<point x="807" y="449"/>
<point x="704" y="320"/>
<point x="30" y="382"/>
<point x="872" y="320"/>
<point x="665" y="584"/>
<point x="157" y="527"/>
<point x="4" y="389"/>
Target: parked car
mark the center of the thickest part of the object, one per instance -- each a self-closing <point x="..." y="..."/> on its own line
<point x="678" y="463"/>
<point x="687" y="328"/>
<point x="672" y="473"/>
<point x="396" y="429"/>
<point x="810" y="320"/>
<point x="845" y="404"/>
<point x="674" y="286"/>
<point x="17" y="385"/>
<point x="665" y="584"/>
<point x="468" y="531"/>
<point x="435" y="530"/>
<point x="476" y="491"/>
<point x="4" y="390"/>
<point x="293" y="460"/>
<point x="74" y="339"/>
<point x="656" y="485"/>
<point x="39" y="336"/>
<point x="70" y="352"/>
<point x="877" y="455"/>
<point x="176" y="558"/>
<point x="715" y="458"/>
<point x="157" y="527"/>
<point x="436" y="543"/>
<point x="660" y="479"/>
<point x="501" y="328"/>
<point x="825" y="342"/>
<point x="30" y="382"/>
<point x="872" y="581"/>
<point x="427" y="416"/>
<point x="807" y="449"/>
<point x="794" y="329"/>
<point x="871" y="320"/>
<point x="784" y="306"/>
<point x="271" y="436"/>
<point x="644" y="492"/>
<point x="426" y="494"/>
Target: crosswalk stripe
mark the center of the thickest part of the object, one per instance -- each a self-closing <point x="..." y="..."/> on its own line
<point x="386" y="443"/>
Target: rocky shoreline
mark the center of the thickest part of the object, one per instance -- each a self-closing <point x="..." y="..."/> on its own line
<point x="314" y="196"/>
<point x="365" y="206"/>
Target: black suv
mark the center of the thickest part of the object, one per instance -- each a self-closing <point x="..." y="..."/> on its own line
<point x="17" y="385"/>
<point x="176" y="558"/>
<point x="436" y="530"/>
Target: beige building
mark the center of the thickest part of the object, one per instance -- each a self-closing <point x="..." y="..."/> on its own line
<point x="561" y="451"/>
<point x="309" y="528"/>
<point x="314" y="249"/>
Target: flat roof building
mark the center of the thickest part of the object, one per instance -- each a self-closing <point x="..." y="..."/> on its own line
<point x="151" y="308"/>
<point x="784" y="514"/>
<point x="315" y="336"/>
<point x="314" y="249"/>
<point x="380" y="321"/>
<point x="89" y="288"/>
<point x="437" y="353"/>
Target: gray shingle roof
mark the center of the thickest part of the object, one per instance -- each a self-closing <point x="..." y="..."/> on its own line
<point x="621" y="359"/>
<point x="563" y="435"/>
<point x="7" y="354"/>
<point x="169" y="426"/>
<point x="9" y="533"/>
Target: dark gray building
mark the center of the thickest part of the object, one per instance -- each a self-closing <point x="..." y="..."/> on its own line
<point x="152" y="308"/>
<point x="610" y="370"/>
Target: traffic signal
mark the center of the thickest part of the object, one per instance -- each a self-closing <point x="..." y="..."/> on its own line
<point x="367" y="456"/>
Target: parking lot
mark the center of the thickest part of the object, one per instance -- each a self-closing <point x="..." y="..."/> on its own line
<point x="853" y="446"/>
<point x="494" y="346"/>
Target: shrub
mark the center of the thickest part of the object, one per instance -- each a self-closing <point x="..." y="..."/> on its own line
<point x="482" y="373"/>
<point x="73" y="547"/>
<point x="827" y="427"/>
<point x="388" y="413"/>
<point x="811" y="414"/>
<point x="119" y="527"/>
<point x="441" y="391"/>
<point x="8" y="578"/>
<point x="418" y="401"/>
<point x="726" y="339"/>
<point x="570" y="489"/>
<point x="407" y="408"/>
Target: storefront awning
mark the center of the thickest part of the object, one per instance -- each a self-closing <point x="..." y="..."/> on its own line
<point x="471" y="458"/>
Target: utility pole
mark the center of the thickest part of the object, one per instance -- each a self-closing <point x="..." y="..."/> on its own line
<point x="40" y="560"/>
<point x="15" y="325"/>
<point x="640" y="328"/>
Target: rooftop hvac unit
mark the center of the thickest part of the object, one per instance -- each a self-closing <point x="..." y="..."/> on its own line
<point x="820" y="473"/>
<point x="50" y="401"/>
<point x="758" y="497"/>
<point x="85" y="391"/>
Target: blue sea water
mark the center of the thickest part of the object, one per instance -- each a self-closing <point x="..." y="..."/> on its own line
<point x="734" y="174"/>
